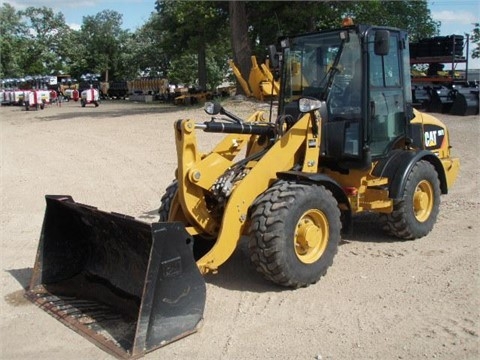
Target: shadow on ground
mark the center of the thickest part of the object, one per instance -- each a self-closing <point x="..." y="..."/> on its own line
<point x="238" y="274"/>
<point x="121" y="108"/>
<point x="23" y="276"/>
<point x="367" y="228"/>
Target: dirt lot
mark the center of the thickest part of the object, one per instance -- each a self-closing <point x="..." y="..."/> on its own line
<point x="382" y="298"/>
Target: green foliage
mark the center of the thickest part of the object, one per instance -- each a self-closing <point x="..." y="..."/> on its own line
<point x="186" y="43"/>
<point x="35" y="41"/>
<point x="12" y="42"/>
<point x="413" y="16"/>
<point x="270" y="19"/>
<point x="475" y="39"/>
<point x="183" y="69"/>
<point x="47" y="36"/>
<point x="186" y="32"/>
<point x="103" y="36"/>
<point x="147" y="56"/>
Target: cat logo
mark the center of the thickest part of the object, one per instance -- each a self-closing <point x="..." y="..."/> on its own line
<point x="431" y="137"/>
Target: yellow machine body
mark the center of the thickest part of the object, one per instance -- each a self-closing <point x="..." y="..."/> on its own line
<point x="344" y="142"/>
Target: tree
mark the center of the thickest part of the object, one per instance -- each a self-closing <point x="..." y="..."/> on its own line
<point x="147" y="56"/>
<point x="71" y="51"/>
<point x="127" y="66"/>
<point x="269" y="20"/>
<point x="184" y="69"/>
<point x="12" y="41"/>
<point x="475" y="39"/>
<point x="37" y="40"/>
<point x="47" y="37"/>
<point x="191" y="29"/>
<point x="102" y="35"/>
<point x="239" y="33"/>
<point x="412" y="16"/>
<point x="256" y="24"/>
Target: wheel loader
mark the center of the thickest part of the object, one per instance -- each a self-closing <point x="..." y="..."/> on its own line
<point x="341" y="144"/>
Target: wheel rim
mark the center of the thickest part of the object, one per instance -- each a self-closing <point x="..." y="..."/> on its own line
<point x="423" y="200"/>
<point x="311" y="236"/>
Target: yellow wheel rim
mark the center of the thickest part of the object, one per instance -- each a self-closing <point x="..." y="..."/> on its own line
<point x="423" y="199"/>
<point x="311" y="236"/>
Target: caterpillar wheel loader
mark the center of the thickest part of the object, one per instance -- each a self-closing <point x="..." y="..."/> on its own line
<point x="343" y="143"/>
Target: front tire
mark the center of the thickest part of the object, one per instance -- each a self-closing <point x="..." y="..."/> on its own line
<point x="415" y="214"/>
<point x="166" y="201"/>
<point x="294" y="233"/>
<point x="201" y="244"/>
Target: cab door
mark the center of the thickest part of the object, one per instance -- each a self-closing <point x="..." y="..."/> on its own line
<point x="386" y="112"/>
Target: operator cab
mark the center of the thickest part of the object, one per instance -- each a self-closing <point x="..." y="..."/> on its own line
<point x="361" y="73"/>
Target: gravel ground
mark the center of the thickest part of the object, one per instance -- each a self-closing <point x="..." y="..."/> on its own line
<point x="382" y="298"/>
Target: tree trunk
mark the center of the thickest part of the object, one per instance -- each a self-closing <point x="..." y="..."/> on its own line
<point x="202" y="67"/>
<point x="240" y="44"/>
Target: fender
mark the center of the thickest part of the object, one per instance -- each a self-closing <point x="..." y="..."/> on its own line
<point x="398" y="165"/>
<point x="329" y="184"/>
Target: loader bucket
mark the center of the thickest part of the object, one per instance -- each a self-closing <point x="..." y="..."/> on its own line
<point x="466" y="103"/>
<point x="441" y="100"/>
<point x="128" y="286"/>
<point x="421" y="97"/>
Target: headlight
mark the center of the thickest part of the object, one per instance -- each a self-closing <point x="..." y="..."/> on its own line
<point x="306" y="105"/>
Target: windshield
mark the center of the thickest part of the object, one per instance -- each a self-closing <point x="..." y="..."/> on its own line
<point x="325" y="67"/>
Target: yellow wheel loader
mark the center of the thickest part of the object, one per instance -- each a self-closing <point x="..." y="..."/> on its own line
<point x="346" y="140"/>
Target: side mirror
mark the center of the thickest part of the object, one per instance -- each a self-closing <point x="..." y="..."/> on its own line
<point x="212" y="108"/>
<point x="382" y="42"/>
<point x="215" y="109"/>
<point x="272" y="52"/>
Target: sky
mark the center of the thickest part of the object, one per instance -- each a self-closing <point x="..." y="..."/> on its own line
<point x="457" y="16"/>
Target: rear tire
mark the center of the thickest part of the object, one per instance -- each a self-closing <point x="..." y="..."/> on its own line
<point x="294" y="233"/>
<point x="415" y="214"/>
